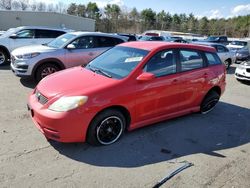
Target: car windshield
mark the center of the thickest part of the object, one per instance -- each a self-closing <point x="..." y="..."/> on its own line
<point x="61" y="41"/>
<point x="118" y="62"/>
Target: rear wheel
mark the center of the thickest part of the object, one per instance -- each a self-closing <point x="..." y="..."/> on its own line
<point x="209" y="102"/>
<point x="3" y="57"/>
<point x="227" y="63"/>
<point x="45" y="70"/>
<point x="106" y="128"/>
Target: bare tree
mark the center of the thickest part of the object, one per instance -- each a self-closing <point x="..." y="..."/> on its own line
<point x="24" y="4"/>
<point x="41" y="6"/>
<point x="16" y="5"/>
<point x="50" y="7"/>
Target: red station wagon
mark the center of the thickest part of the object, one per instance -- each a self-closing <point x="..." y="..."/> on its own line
<point x="129" y="86"/>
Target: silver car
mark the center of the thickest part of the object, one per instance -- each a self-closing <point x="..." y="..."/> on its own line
<point x="226" y="56"/>
<point x="68" y="50"/>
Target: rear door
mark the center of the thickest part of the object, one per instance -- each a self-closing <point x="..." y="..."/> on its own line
<point x="192" y="75"/>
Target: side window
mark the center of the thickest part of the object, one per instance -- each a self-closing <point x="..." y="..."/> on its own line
<point x="212" y="59"/>
<point x="25" y="34"/>
<point x="221" y="49"/>
<point x="45" y="33"/>
<point x="190" y="60"/>
<point x="84" y="42"/>
<point x="105" y="42"/>
<point x="117" y="41"/>
<point x="161" y="64"/>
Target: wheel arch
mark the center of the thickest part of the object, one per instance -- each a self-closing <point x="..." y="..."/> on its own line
<point x="119" y="108"/>
<point x="217" y="89"/>
<point x="6" y="50"/>
<point x="48" y="60"/>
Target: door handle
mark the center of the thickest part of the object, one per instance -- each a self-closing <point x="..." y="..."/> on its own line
<point x="91" y="53"/>
<point x="175" y="81"/>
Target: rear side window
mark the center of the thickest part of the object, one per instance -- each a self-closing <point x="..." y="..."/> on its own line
<point x="44" y="33"/>
<point x="190" y="60"/>
<point x="84" y="42"/>
<point x="106" y="42"/>
<point x="117" y="41"/>
<point x="221" y="49"/>
<point x="25" y="34"/>
<point x="212" y="59"/>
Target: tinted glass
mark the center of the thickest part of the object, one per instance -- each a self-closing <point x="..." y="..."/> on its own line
<point x="27" y="33"/>
<point x="118" y="61"/>
<point x="106" y="42"/>
<point x="161" y="64"/>
<point x="43" y="33"/>
<point x="221" y="49"/>
<point x="212" y="59"/>
<point x="190" y="60"/>
<point x="84" y="42"/>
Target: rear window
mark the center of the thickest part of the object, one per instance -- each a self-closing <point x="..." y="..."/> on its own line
<point x="212" y="59"/>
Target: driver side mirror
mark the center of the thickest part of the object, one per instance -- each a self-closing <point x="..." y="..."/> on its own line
<point x="13" y="36"/>
<point x="145" y="76"/>
<point x="71" y="47"/>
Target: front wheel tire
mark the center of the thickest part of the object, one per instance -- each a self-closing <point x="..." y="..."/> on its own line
<point x="106" y="128"/>
<point x="45" y="70"/>
<point x="3" y="57"/>
<point x="209" y="102"/>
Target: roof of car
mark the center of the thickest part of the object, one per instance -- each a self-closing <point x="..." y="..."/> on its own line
<point x="208" y="43"/>
<point x="44" y="27"/>
<point x="153" y="45"/>
<point x="83" y="33"/>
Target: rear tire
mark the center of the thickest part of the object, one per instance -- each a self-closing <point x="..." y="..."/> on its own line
<point x="227" y="64"/>
<point x="3" y="57"/>
<point x="45" y="70"/>
<point x="106" y="128"/>
<point x="209" y="102"/>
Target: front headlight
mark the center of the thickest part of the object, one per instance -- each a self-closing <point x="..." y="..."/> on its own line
<point x="65" y="104"/>
<point x="28" y="56"/>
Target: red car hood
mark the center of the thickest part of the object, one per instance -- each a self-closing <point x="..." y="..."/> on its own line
<point x="74" y="81"/>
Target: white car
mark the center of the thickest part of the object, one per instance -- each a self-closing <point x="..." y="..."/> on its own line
<point x="242" y="72"/>
<point x="23" y="36"/>
<point x="235" y="45"/>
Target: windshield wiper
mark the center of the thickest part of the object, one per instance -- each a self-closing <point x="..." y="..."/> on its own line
<point x="96" y="70"/>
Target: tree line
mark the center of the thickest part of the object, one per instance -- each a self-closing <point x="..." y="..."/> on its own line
<point x="113" y="18"/>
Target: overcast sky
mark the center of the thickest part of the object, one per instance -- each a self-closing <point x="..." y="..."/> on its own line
<point x="200" y="8"/>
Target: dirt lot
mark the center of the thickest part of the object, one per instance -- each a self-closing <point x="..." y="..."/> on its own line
<point x="217" y="144"/>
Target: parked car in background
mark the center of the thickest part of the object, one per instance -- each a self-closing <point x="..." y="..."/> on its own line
<point x="217" y="39"/>
<point x="242" y="72"/>
<point x="235" y="45"/>
<point x="226" y="56"/>
<point x="131" y="37"/>
<point x="23" y="36"/>
<point x="243" y="54"/>
<point x="151" y="38"/>
<point x="129" y="86"/>
<point x="68" y="50"/>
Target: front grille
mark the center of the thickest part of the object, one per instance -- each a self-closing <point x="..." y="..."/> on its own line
<point x="41" y="98"/>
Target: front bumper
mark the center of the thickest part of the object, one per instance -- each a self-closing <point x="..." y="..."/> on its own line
<point x="20" y="68"/>
<point x="68" y="126"/>
<point x="242" y="73"/>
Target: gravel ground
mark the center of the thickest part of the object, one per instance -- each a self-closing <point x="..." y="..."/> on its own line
<point x="217" y="144"/>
